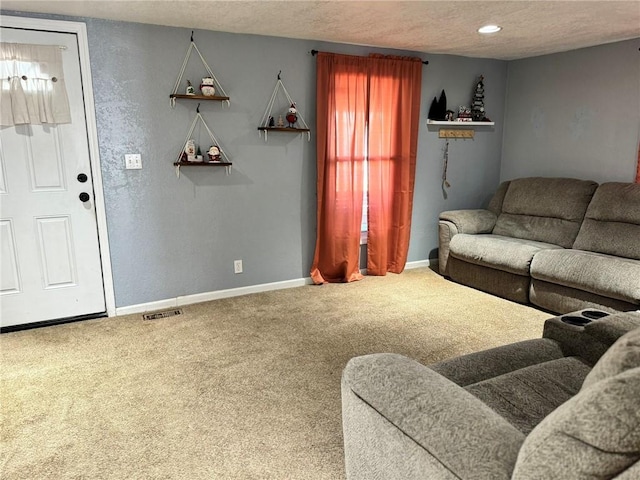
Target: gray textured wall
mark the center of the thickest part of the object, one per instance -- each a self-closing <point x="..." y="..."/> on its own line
<point x="474" y="165"/>
<point x="171" y="237"/>
<point x="574" y="114"/>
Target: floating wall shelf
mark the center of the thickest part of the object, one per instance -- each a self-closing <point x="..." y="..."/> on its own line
<point x="203" y="164"/>
<point x="216" y="84"/>
<point x="454" y="124"/>
<point x="225" y="162"/>
<point x="199" y="97"/>
<point x="283" y="129"/>
<point x="267" y="118"/>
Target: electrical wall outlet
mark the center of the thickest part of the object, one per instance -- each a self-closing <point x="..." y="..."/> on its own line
<point x="133" y="161"/>
<point x="237" y="266"/>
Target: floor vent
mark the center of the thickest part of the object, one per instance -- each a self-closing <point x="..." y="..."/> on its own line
<point x="158" y="315"/>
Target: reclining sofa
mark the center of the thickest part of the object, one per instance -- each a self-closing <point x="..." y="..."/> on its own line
<point x="559" y="243"/>
<point x="564" y="406"/>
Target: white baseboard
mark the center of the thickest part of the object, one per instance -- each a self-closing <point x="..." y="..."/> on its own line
<point x="231" y="292"/>
<point x="408" y="265"/>
<point x="418" y="264"/>
<point x="207" y="296"/>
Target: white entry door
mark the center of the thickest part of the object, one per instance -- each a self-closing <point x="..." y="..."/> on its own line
<point x="49" y="250"/>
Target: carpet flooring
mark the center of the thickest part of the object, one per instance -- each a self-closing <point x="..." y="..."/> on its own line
<point x="239" y="388"/>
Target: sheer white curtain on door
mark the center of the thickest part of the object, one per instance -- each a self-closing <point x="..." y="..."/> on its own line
<point x="33" y="89"/>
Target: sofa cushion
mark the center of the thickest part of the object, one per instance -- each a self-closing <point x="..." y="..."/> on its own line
<point x="596" y="434"/>
<point x="612" y="221"/>
<point x="525" y="396"/>
<point x="479" y="366"/>
<point x="621" y="356"/>
<point x="605" y="275"/>
<point x="508" y="254"/>
<point x="548" y="210"/>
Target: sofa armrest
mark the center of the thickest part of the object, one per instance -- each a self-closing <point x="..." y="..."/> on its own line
<point x="611" y="328"/>
<point x="404" y="420"/>
<point x="453" y="222"/>
<point x="471" y="221"/>
<point x="593" y="339"/>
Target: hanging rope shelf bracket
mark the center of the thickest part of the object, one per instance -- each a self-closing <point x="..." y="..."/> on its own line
<point x="225" y="159"/>
<point x="192" y="46"/>
<point x="264" y="123"/>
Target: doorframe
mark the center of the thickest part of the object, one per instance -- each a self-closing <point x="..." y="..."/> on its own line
<point x="80" y="30"/>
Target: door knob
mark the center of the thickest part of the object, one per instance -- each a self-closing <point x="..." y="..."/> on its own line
<point x="84" y="197"/>
<point x="82" y="178"/>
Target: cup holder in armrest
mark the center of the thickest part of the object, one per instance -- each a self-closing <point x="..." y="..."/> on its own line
<point x="575" y="320"/>
<point x="581" y="318"/>
<point x="594" y="314"/>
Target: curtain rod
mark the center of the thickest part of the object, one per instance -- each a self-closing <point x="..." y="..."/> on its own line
<point x="315" y="52"/>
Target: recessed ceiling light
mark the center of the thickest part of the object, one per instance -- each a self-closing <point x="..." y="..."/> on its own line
<point x="489" y="29"/>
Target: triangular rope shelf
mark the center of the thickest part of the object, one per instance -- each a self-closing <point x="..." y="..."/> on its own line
<point x="267" y="118"/>
<point x="218" y="87"/>
<point x="224" y="160"/>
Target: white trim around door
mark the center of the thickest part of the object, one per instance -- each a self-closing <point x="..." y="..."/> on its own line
<point x="80" y="30"/>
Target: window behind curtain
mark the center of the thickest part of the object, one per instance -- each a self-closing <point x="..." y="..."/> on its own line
<point x="32" y="86"/>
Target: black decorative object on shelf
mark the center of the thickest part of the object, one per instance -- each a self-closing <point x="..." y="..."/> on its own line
<point x="433" y="110"/>
<point x="477" y="102"/>
<point x="442" y="106"/>
<point x="438" y="108"/>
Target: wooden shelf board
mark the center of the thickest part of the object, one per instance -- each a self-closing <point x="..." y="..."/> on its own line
<point x="284" y="129"/>
<point x="202" y="164"/>
<point x="199" y="97"/>
<point x="459" y="124"/>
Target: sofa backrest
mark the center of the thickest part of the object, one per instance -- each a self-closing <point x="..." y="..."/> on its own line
<point x="547" y="210"/>
<point x="612" y="222"/>
<point x="495" y="205"/>
<point x="595" y="434"/>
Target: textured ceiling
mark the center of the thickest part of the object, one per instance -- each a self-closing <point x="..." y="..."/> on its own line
<point x="530" y="28"/>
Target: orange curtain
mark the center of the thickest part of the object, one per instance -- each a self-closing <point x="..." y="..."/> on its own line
<point x="394" y="115"/>
<point x="341" y="109"/>
<point x="367" y="109"/>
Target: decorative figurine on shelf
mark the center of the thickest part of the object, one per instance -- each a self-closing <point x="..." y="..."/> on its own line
<point x="190" y="89"/>
<point x="207" y="88"/>
<point x="292" y="116"/>
<point x="199" y="155"/>
<point x="280" y="121"/>
<point x="214" y="153"/>
<point x="272" y="122"/>
<point x="189" y="154"/>
<point x="477" y="102"/>
<point x="450" y="116"/>
<point x="464" y="114"/>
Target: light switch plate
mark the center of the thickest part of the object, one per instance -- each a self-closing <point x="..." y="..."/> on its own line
<point x="133" y="161"/>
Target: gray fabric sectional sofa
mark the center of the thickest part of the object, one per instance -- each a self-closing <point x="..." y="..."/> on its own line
<point x="565" y="406"/>
<point x="559" y="243"/>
